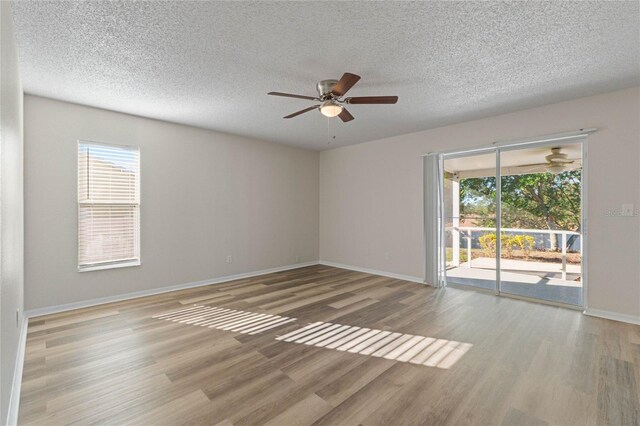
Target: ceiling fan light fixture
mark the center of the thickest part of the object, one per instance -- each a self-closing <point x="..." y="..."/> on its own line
<point x="556" y="168"/>
<point x="331" y="109"/>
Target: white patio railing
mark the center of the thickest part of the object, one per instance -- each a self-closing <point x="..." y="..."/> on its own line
<point x="456" y="231"/>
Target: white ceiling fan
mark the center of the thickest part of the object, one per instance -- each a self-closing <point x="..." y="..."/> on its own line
<point x="556" y="162"/>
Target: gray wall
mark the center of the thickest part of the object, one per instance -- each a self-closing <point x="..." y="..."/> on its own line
<point x="204" y="195"/>
<point x="11" y="207"/>
<point x="380" y="184"/>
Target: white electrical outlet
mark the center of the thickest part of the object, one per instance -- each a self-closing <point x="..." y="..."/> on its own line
<point x="386" y="255"/>
<point x="627" y="210"/>
<point x="229" y="259"/>
<point x="297" y="259"/>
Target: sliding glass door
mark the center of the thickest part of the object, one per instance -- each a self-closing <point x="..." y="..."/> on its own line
<point x="512" y="220"/>
<point x="541" y="212"/>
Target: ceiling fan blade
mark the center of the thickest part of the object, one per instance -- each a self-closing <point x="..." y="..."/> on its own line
<point x="289" y="95"/>
<point x="302" y="111"/>
<point x="345" y="115"/>
<point x="372" y="100"/>
<point x="346" y="82"/>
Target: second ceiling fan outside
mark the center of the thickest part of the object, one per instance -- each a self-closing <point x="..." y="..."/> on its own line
<point x="330" y="94"/>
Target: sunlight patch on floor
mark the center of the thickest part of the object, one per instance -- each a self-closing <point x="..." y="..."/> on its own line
<point x="226" y="319"/>
<point x="427" y="351"/>
<point x="420" y="350"/>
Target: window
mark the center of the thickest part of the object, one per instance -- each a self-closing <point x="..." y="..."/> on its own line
<point x="108" y="206"/>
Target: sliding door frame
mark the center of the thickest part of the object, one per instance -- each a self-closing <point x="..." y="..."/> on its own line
<point x="470" y="153"/>
<point x="497" y="148"/>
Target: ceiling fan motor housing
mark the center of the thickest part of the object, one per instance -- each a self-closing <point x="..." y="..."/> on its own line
<point x="557" y="157"/>
<point x="324" y="88"/>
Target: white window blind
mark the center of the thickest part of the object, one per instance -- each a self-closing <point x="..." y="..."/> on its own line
<point x="108" y="206"/>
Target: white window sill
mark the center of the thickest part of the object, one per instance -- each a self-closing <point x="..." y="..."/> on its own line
<point x="114" y="265"/>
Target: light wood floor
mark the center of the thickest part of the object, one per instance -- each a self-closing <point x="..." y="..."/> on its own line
<point x="529" y="364"/>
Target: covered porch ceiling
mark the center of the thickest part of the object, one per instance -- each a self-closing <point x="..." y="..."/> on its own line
<point x="512" y="162"/>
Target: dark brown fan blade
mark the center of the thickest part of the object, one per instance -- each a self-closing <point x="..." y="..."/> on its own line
<point x="346" y="82"/>
<point x="372" y="100"/>
<point x="345" y="115"/>
<point x="295" y="114"/>
<point x="289" y="95"/>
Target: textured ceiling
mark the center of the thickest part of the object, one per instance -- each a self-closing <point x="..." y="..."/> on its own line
<point x="210" y="64"/>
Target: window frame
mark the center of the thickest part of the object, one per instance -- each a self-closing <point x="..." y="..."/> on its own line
<point x="126" y="263"/>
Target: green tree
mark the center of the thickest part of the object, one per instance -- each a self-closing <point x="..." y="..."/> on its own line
<point x="538" y="200"/>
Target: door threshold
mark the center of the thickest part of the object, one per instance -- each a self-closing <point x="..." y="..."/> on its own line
<point x="516" y="297"/>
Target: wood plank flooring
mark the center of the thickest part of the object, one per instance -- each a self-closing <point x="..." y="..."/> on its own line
<point x="528" y="364"/>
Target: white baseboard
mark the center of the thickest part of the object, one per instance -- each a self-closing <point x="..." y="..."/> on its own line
<point x="373" y="271"/>
<point x="127" y="296"/>
<point x="631" y="319"/>
<point x="14" y="398"/>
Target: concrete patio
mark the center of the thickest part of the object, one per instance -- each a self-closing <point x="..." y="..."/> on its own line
<point x="541" y="280"/>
